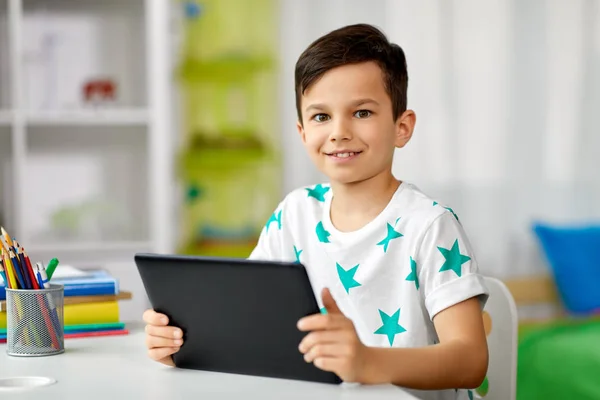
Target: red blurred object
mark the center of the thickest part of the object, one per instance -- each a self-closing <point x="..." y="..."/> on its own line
<point x="99" y="90"/>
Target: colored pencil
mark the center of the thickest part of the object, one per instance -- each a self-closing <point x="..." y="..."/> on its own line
<point x="10" y="273"/>
<point x="6" y="237"/>
<point x="2" y="273"/>
<point x="17" y="268"/>
<point x="29" y="267"/>
<point x="21" y="261"/>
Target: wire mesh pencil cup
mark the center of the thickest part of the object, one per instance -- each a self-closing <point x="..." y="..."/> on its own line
<point x="35" y="321"/>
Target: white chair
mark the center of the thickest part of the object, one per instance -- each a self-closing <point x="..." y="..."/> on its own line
<point x="501" y="311"/>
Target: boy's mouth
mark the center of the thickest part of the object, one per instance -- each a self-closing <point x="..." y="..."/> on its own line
<point x="344" y="154"/>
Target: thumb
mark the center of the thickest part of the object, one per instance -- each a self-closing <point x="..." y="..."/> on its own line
<point x="329" y="302"/>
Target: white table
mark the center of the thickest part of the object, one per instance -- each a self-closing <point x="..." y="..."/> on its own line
<point x="118" y="368"/>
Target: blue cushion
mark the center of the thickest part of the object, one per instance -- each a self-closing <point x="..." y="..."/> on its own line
<point x="573" y="253"/>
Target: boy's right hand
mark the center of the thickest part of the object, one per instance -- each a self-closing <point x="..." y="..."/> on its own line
<point x="162" y="340"/>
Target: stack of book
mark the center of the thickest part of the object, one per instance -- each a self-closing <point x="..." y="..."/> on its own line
<point x="91" y="305"/>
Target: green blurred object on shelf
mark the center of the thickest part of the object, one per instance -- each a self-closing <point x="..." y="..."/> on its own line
<point x="229" y="164"/>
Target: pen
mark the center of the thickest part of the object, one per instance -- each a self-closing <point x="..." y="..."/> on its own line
<point x="53" y="315"/>
<point x="38" y="275"/>
<point x="42" y="276"/>
<point x="51" y="267"/>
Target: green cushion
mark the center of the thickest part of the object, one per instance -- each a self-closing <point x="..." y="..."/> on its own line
<point x="560" y="361"/>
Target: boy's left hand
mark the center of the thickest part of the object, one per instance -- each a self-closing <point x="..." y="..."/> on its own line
<point x="333" y="345"/>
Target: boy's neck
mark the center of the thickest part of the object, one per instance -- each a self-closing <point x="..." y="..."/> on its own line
<point x="355" y="205"/>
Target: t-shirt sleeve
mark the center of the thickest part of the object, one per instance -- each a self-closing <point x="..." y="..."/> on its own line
<point x="268" y="247"/>
<point x="448" y="270"/>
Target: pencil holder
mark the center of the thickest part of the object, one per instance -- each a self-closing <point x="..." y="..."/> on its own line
<point x="34" y="321"/>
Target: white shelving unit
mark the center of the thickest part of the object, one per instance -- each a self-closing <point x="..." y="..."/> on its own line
<point x="5" y="118"/>
<point x="125" y="117"/>
<point x="88" y="183"/>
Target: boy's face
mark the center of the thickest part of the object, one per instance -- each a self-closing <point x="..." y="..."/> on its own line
<point x="349" y="131"/>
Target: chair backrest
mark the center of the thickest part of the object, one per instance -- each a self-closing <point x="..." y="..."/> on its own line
<point x="501" y="321"/>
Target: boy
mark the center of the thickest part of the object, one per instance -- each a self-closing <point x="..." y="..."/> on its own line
<point x="407" y="292"/>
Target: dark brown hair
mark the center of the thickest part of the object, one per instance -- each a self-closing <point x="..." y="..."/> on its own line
<point x="351" y="45"/>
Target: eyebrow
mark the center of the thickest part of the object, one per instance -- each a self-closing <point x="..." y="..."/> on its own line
<point x="360" y="102"/>
<point x="356" y="103"/>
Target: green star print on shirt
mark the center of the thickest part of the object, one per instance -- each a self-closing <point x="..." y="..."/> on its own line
<point x="435" y="203"/>
<point x="274" y="218"/>
<point x="454" y="260"/>
<point x="391" y="234"/>
<point x="390" y="326"/>
<point x="318" y="192"/>
<point x="322" y="234"/>
<point x="297" y="253"/>
<point x="413" y="273"/>
<point x="347" y="277"/>
<point x="452" y="211"/>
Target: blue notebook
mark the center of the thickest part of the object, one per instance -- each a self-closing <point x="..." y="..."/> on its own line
<point x="97" y="282"/>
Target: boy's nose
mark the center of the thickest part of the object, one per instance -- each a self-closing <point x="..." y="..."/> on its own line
<point x="341" y="131"/>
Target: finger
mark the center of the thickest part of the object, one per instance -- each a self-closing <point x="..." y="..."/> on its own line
<point x="163" y="354"/>
<point x="322" y="322"/>
<point x="335" y="350"/>
<point x="329" y="302"/>
<point x="153" y="342"/>
<point x="329" y="364"/>
<point x="320" y="337"/>
<point x="153" y="318"/>
<point x="169" y="332"/>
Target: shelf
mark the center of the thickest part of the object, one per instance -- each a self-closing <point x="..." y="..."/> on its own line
<point x="101" y="153"/>
<point x="90" y="246"/>
<point x="5" y="117"/>
<point x="124" y="117"/>
<point x="95" y="254"/>
<point x="67" y="44"/>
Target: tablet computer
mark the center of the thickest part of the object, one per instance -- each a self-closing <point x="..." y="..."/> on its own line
<point x="237" y="315"/>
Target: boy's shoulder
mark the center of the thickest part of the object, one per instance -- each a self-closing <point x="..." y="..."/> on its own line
<point x="307" y="196"/>
<point x="414" y="200"/>
<point x="418" y="208"/>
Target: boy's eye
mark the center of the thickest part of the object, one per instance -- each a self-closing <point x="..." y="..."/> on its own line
<point x="321" y="117"/>
<point x="362" y="114"/>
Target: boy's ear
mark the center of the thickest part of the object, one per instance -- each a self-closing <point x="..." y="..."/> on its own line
<point x="300" y="129"/>
<point x="405" y="125"/>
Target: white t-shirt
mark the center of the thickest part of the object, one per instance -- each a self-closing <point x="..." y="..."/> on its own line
<point x="390" y="277"/>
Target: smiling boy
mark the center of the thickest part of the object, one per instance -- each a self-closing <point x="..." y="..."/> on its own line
<point x="392" y="269"/>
